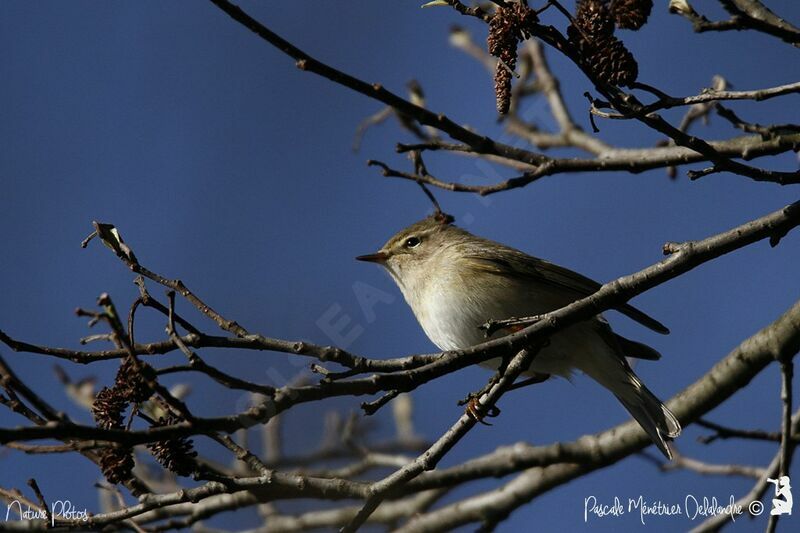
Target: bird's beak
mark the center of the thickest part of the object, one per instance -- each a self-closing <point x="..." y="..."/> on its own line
<point x="379" y="257"/>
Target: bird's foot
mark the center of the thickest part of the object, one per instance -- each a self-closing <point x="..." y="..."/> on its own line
<point x="477" y="411"/>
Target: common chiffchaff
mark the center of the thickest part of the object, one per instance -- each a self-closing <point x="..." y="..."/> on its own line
<point x="455" y="281"/>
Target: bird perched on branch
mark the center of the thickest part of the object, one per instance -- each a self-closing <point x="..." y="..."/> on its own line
<point x="455" y="281"/>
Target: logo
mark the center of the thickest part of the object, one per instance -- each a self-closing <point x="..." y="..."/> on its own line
<point x="60" y="510"/>
<point x="782" y="502"/>
<point x="691" y="508"/>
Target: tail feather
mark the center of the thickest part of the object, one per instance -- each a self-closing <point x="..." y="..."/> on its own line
<point x="637" y="349"/>
<point x="611" y="370"/>
<point x="658" y="421"/>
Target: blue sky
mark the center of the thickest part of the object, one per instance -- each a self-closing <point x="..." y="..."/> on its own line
<point x="224" y="165"/>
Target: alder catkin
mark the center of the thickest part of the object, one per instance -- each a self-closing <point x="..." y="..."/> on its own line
<point x="592" y="36"/>
<point x="631" y="14"/>
<point x="508" y="27"/>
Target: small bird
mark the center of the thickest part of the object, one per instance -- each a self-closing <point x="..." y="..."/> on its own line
<point x="455" y="282"/>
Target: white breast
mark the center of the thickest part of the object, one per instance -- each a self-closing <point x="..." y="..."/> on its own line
<point x="450" y="311"/>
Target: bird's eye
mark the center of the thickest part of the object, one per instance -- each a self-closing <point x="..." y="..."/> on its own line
<point x="412" y="242"/>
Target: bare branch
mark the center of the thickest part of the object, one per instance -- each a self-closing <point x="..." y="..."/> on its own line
<point x="787" y="446"/>
<point x="745" y="15"/>
<point x="680" y="461"/>
<point x="724" y="432"/>
<point x="376" y="91"/>
<point x="714" y="523"/>
<point x="615" y="159"/>
<point x="430" y="458"/>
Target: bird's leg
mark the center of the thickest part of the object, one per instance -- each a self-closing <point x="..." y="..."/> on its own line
<point x="494" y="379"/>
<point x="533" y="380"/>
<point x="472" y="401"/>
<point x="475" y="408"/>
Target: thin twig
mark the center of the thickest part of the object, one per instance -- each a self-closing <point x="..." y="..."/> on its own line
<point x="787" y="446"/>
<point x="428" y="460"/>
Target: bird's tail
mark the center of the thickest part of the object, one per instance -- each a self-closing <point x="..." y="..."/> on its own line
<point x="658" y="421"/>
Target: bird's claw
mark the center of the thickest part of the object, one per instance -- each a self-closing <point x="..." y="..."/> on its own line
<point x="475" y="408"/>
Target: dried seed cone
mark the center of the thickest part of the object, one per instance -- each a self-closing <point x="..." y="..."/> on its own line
<point x="133" y="380"/>
<point x="631" y="14"/>
<point x="525" y="17"/>
<point x="116" y="464"/>
<point x="592" y="35"/>
<point x="502" y="82"/>
<point x="176" y="455"/>
<point x="507" y="28"/>
<point x="594" y="18"/>
<point x="107" y="408"/>
<point x="501" y="33"/>
<point x="612" y="62"/>
<point x="577" y="40"/>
